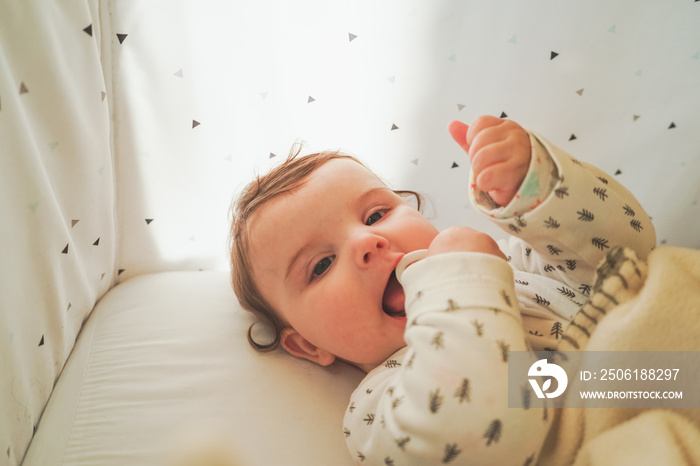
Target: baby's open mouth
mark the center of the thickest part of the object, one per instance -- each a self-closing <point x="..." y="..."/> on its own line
<point x="394" y="300"/>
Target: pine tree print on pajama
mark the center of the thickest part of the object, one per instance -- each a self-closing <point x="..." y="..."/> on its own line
<point x="443" y="398"/>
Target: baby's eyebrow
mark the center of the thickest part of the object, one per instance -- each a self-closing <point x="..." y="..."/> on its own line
<point x="371" y="192"/>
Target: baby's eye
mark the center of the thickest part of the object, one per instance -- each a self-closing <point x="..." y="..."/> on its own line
<point x="374" y="218"/>
<point x="322" y="266"/>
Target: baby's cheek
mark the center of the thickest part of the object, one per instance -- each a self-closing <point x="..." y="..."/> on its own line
<point x="423" y="233"/>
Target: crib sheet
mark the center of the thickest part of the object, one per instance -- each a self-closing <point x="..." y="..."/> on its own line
<point x="163" y="361"/>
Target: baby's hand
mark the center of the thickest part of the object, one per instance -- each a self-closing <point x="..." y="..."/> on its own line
<point x="499" y="152"/>
<point x="464" y="239"/>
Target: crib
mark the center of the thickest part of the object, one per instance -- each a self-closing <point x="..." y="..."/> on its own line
<point x="127" y="128"/>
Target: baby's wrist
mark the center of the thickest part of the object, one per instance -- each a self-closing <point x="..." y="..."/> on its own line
<point x="466" y="279"/>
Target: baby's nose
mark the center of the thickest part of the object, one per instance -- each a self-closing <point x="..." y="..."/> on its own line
<point x="368" y="247"/>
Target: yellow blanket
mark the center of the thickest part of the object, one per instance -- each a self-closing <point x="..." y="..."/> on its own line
<point x="635" y="306"/>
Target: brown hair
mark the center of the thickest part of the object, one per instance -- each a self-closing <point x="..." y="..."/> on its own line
<point x="284" y="178"/>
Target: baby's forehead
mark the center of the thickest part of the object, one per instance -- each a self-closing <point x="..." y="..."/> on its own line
<point x="345" y="175"/>
<point x="351" y="168"/>
<point x="336" y="179"/>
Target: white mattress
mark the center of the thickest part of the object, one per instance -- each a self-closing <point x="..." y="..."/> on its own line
<point x="163" y="360"/>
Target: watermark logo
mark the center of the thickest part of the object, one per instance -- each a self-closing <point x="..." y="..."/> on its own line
<point x="603" y="379"/>
<point x="542" y="368"/>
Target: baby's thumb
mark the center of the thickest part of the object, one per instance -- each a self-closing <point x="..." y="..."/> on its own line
<point x="458" y="131"/>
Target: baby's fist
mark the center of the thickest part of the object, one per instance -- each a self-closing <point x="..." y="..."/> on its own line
<point x="499" y="152"/>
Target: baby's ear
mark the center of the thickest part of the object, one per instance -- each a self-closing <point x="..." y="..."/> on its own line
<point x="298" y="346"/>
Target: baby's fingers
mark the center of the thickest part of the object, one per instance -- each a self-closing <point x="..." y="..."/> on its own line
<point x="488" y="148"/>
<point x="501" y="181"/>
<point x="481" y="124"/>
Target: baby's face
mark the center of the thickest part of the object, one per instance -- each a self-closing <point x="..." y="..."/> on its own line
<point x="324" y="256"/>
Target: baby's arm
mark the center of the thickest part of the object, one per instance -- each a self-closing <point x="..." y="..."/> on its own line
<point x="576" y="212"/>
<point x="447" y="399"/>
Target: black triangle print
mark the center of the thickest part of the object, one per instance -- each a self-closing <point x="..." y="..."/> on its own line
<point x="65" y="250"/>
<point x="69" y="306"/>
<point x="195" y="123"/>
<point x="97" y="242"/>
<point x="351" y="36"/>
<point x="73" y="222"/>
<point x="121" y="37"/>
<point x="573" y="137"/>
<point x="310" y="99"/>
<point x="41" y="343"/>
<point x="618" y="172"/>
<point x="120" y="271"/>
<point x="23" y="88"/>
<point x="88" y="30"/>
<point x="148" y="221"/>
<point x="672" y="125"/>
<point x="454" y="165"/>
<point x="393" y="127"/>
<point x="553" y="55"/>
<point x="503" y="115"/>
<point x="272" y="155"/>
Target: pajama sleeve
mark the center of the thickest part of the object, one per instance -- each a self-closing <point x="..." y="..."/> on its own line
<point x="567" y="215"/>
<point x="444" y="398"/>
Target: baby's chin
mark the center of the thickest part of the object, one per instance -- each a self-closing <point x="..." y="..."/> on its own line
<point x="381" y="359"/>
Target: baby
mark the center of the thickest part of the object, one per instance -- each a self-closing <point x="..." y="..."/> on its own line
<point x="315" y="246"/>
